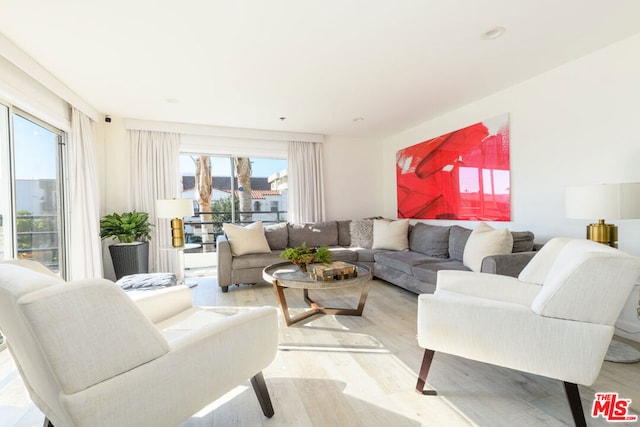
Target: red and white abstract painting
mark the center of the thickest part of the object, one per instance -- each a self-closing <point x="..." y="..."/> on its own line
<point x="462" y="175"/>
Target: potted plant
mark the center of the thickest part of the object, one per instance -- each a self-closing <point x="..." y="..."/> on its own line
<point x="304" y="255"/>
<point x="133" y="231"/>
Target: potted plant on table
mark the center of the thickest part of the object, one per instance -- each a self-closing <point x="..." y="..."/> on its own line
<point x="304" y="255"/>
<point x="133" y="232"/>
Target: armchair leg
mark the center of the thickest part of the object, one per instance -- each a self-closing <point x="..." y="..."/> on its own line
<point x="260" y="387"/>
<point x="424" y="371"/>
<point x="47" y="423"/>
<point x="573" y="396"/>
<point x="225" y="289"/>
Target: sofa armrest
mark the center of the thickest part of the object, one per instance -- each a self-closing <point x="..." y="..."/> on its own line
<point x="487" y="286"/>
<point x="223" y="250"/>
<point x="507" y="264"/>
<point x="164" y="303"/>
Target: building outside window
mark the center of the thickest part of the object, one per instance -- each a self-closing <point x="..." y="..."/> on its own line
<point x="232" y="198"/>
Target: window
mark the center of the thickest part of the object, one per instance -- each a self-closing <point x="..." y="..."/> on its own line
<point x="231" y="196"/>
<point x="31" y="190"/>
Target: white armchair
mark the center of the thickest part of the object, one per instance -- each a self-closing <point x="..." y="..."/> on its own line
<point x="556" y="319"/>
<point x="91" y="356"/>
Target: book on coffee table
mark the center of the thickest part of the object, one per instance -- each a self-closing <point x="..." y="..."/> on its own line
<point x="337" y="270"/>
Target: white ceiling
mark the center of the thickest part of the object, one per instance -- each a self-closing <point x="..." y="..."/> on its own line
<point x="319" y="63"/>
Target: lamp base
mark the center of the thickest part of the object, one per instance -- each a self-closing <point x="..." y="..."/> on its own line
<point x="177" y="232"/>
<point x="607" y="234"/>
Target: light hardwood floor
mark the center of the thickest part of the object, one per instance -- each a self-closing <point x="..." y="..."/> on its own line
<point x="361" y="371"/>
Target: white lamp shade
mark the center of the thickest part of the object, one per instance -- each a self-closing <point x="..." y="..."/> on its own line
<point x="174" y="208"/>
<point x="605" y="201"/>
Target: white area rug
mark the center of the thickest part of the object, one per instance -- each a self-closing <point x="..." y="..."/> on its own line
<point x="622" y="353"/>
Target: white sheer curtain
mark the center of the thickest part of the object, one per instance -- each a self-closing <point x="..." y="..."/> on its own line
<point x="306" y="188"/>
<point x="155" y="166"/>
<point x="85" y="250"/>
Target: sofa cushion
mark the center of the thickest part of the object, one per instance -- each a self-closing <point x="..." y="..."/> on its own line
<point x="367" y="255"/>
<point x="340" y="253"/>
<point x="403" y="261"/>
<point x="522" y="241"/>
<point x="344" y="233"/>
<point x="391" y="235"/>
<point x="83" y="346"/>
<point x="246" y="240"/>
<point x="361" y="233"/>
<point x="457" y="240"/>
<point x="318" y="234"/>
<point x="277" y="235"/>
<point x="431" y="240"/>
<point x="483" y="241"/>
<point x="429" y="272"/>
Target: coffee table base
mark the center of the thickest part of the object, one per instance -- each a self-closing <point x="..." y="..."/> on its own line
<point x="315" y="308"/>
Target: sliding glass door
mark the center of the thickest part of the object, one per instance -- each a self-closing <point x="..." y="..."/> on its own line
<point x="31" y="190"/>
<point x="231" y="189"/>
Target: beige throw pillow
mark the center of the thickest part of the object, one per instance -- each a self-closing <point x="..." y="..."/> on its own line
<point x="246" y="240"/>
<point x="391" y="235"/>
<point x="484" y="241"/>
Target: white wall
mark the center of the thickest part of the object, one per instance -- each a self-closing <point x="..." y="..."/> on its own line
<point x="352" y="178"/>
<point x="577" y="124"/>
<point x="113" y="166"/>
<point x="115" y="163"/>
<point x="574" y="125"/>
<point x="351" y="170"/>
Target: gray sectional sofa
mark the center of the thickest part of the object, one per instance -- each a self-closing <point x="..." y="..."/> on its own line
<point x="431" y="248"/>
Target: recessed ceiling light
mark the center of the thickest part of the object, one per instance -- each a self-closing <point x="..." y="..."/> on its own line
<point x="493" y="33"/>
<point x="358" y="119"/>
<point x="171" y="100"/>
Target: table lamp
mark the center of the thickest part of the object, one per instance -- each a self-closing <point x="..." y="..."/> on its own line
<point x="613" y="201"/>
<point x="175" y="209"/>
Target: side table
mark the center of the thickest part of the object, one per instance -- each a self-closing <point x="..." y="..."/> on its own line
<point x="178" y="259"/>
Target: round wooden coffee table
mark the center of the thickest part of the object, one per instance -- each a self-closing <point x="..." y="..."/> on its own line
<point x="286" y="275"/>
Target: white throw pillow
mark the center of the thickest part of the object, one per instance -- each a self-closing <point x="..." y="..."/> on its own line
<point x="246" y="240"/>
<point x="391" y="235"/>
<point x="484" y="241"/>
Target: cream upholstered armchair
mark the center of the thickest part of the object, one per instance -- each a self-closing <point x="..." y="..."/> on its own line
<point x="556" y="319"/>
<point x="91" y="356"/>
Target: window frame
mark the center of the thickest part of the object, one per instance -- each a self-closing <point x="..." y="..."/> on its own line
<point x="7" y="145"/>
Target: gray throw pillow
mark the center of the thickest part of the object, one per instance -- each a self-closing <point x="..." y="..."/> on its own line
<point x="277" y="235"/>
<point x="361" y="233"/>
<point x="522" y="241"/>
<point x="457" y="240"/>
<point x="318" y="234"/>
<point x="344" y="232"/>
<point x="431" y="240"/>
